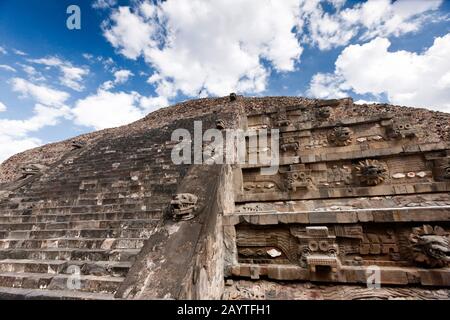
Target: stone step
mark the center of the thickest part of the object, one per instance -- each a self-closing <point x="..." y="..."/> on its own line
<point x="81" y="233"/>
<point x="42" y="294"/>
<point x="138" y="215"/>
<point x="70" y="254"/>
<point x="79" y="243"/>
<point x="89" y="283"/>
<point x="97" y="268"/>
<point x="83" y="224"/>
<point x="139" y="206"/>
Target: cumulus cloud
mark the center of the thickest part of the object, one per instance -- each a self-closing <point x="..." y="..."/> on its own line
<point x="14" y="134"/>
<point x="7" y="68"/>
<point x="407" y="78"/>
<point x="103" y="4"/>
<point x="199" y="47"/>
<point x="2" y="107"/>
<point x="366" y="20"/>
<point x="42" y="94"/>
<point x="19" y="52"/>
<point x="107" y="109"/>
<point x="150" y="104"/>
<point x="327" y="85"/>
<point x="71" y="76"/>
<point x="122" y="76"/>
<point x="48" y="111"/>
<point x="11" y="146"/>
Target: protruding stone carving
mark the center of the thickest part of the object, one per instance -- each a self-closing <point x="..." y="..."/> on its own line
<point x="4" y="194"/>
<point x="441" y="169"/>
<point x="289" y="143"/>
<point x="400" y="129"/>
<point x="183" y="206"/>
<point x="282" y="119"/>
<point x="340" y="136"/>
<point x="290" y="146"/>
<point x="300" y="178"/>
<point x="322" y="113"/>
<point x="371" y="172"/>
<point x="431" y="246"/>
<point x="318" y="248"/>
<point x="32" y="169"/>
<point x="233" y="96"/>
<point x="220" y="124"/>
<point x="76" y="144"/>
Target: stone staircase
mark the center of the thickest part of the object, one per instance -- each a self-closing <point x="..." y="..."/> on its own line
<point x="73" y="232"/>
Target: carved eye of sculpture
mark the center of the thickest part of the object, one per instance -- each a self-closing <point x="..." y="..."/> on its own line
<point x="447" y="172"/>
<point x="324" y="245"/>
<point x="313" y="245"/>
<point x="295" y="176"/>
<point x="407" y="126"/>
<point x="401" y="127"/>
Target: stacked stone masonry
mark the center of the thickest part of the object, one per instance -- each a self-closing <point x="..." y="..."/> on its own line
<point x="358" y="186"/>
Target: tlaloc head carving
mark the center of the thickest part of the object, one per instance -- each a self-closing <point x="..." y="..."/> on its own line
<point x="183" y="206"/>
<point x="340" y="136"/>
<point x="76" y="144"/>
<point x="323" y="113"/>
<point x="400" y="129"/>
<point x="431" y="246"/>
<point x="32" y="169"/>
<point x="220" y="124"/>
<point x="371" y="172"/>
<point x="441" y="168"/>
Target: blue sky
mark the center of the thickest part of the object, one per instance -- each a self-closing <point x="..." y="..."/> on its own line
<point x="132" y="57"/>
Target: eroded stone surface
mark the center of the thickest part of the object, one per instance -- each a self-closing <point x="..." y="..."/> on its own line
<point x="357" y="186"/>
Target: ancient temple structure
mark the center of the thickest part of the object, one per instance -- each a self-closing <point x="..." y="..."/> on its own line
<point x="358" y="207"/>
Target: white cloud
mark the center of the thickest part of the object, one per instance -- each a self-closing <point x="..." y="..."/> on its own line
<point x="407" y="78"/>
<point x="367" y="20"/>
<point x="7" y="68"/>
<point x="362" y="101"/>
<point x="14" y="133"/>
<point x="2" y="107"/>
<point x="107" y="109"/>
<point x="19" y="52"/>
<point x="71" y="76"/>
<point x="88" y="56"/>
<point x="104" y="4"/>
<point x="326" y="85"/>
<point x="42" y="94"/>
<point x="122" y="76"/>
<point x="107" y="85"/>
<point x="3" y="50"/>
<point x="199" y="47"/>
<point x="129" y="32"/>
<point x="150" y="104"/>
<point x="12" y="146"/>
